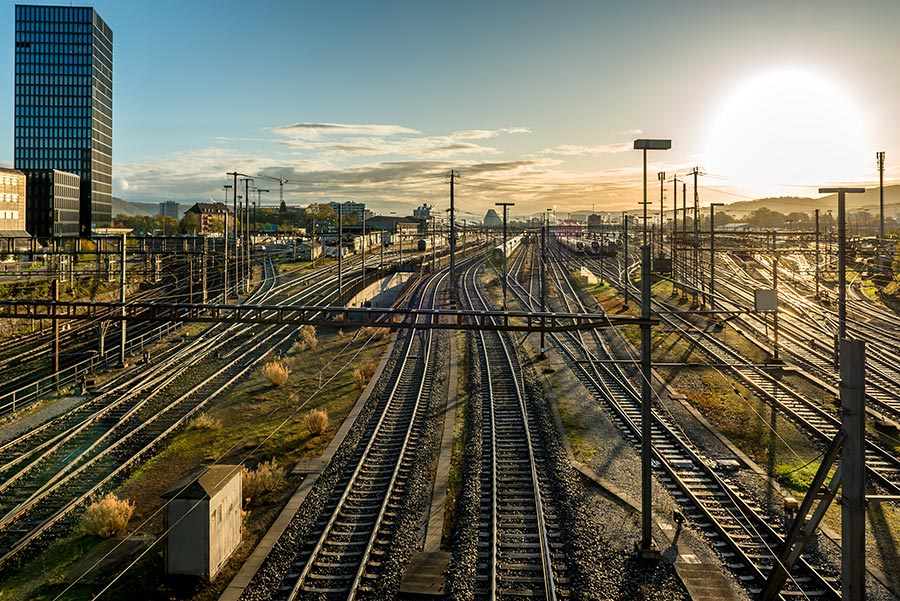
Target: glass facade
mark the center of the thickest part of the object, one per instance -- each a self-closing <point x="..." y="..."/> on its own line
<point x="63" y="90"/>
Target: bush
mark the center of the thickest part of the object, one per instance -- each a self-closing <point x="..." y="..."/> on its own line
<point x="266" y="478"/>
<point x="364" y="373"/>
<point x="317" y="421"/>
<point x="106" y="517"/>
<point x="306" y="340"/>
<point x="276" y="372"/>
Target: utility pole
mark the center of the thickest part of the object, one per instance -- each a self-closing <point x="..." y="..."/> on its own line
<point x="817" y="254"/>
<point x="364" y="246"/>
<point x="203" y="297"/>
<point x="543" y="281"/>
<point x="505" y="206"/>
<point x="662" y="180"/>
<point x="245" y="255"/>
<point x="122" y="300"/>
<point x="453" y="288"/>
<point x="880" y="157"/>
<point x="340" y="247"/>
<point x="625" y="252"/>
<point x="697" y="278"/>
<point x="853" y="462"/>
<point x="775" y="356"/>
<point x="712" y="254"/>
<point x="234" y="222"/>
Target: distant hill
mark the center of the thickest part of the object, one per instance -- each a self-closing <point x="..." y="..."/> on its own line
<point x="141" y="209"/>
<point x="788" y="204"/>
<point x="133" y="209"/>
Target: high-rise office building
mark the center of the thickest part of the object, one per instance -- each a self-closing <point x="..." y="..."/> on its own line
<point x="64" y="102"/>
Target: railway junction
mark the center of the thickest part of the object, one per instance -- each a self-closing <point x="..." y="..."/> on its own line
<point x="500" y="447"/>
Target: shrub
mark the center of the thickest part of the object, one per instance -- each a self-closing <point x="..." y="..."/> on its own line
<point x="204" y="421"/>
<point x="266" y="478"/>
<point x="106" y="517"/>
<point x="364" y="373"/>
<point x="276" y="372"/>
<point x="317" y="421"/>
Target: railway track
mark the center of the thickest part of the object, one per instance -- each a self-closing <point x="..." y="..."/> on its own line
<point x="47" y="473"/>
<point x="343" y="553"/>
<point x="521" y="544"/>
<point x="745" y="537"/>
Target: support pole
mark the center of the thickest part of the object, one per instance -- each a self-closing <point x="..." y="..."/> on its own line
<point x="817" y="254"/>
<point x="55" y="294"/>
<point x="853" y="462"/>
<point x="775" y="356"/>
<point x="505" y="206"/>
<point x="453" y="286"/>
<point x="543" y="283"/>
<point x="122" y="300"/>
<point x="625" y="253"/>
<point x="339" y="248"/>
<point x="647" y="548"/>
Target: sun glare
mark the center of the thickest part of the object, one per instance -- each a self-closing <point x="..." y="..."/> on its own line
<point x="786" y="129"/>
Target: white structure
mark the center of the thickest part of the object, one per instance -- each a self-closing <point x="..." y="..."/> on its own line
<point x="203" y="519"/>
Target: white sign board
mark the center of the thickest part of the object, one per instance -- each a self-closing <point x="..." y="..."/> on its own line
<point x="765" y="300"/>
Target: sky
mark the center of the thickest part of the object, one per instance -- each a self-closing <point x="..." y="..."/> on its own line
<point x="536" y="103"/>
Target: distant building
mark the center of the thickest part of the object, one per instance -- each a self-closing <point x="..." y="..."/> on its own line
<point x="492" y="219"/>
<point x="54" y="201"/>
<point x="170" y="208"/>
<point x="351" y="208"/>
<point x="308" y="252"/>
<point x="208" y="213"/>
<point x="423" y="212"/>
<point x="594" y="223"/>
<point x="63" y="101"/>
<point x="12" y="203"/>
<point x="203" y="521"/>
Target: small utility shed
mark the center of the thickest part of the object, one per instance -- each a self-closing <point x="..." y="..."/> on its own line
<point x="203" y="520"/>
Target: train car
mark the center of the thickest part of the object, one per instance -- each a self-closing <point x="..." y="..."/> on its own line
<point x="498" y="253"/>
<point x="575" y="245"/>
<point x="424" y="244"/>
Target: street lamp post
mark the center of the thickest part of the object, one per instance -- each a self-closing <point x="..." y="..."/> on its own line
<point x="712" y="253"/>
<point x="647" y="548"/>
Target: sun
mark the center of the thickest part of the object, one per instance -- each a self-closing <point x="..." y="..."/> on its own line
<point x="784" y="129"/>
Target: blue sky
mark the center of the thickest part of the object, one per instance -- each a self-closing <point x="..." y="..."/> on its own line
<point x="534" y="102"/>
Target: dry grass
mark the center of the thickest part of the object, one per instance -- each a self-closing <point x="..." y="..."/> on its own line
<point x="364" y="373"/>
<point x="266" y="478"/>
<point x="106" y="517"/>
<point x="276" y="372"/>
<point x="204" y="421"/>
<point x="317" y="421"/>
<point x="306" y="339"/>
<point x="375" y="333"/>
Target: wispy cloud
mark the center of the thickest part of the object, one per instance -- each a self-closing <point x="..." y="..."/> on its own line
<point x="312" y="131"/>
<point x="574" y="150"/>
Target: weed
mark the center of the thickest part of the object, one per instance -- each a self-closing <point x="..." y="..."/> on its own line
<point x="204" y="421"/>
<point x="317" y="421"/>
<point x="276" y="372"/>
<point x="106" y="517"/>
<point x="266" y="478"/>
<point x="364" y="373"/>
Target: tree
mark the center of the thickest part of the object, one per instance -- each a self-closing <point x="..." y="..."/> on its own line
<point x="189" y="224"/>
<point x="282" y="208"/>
<point x="319" y="212"/>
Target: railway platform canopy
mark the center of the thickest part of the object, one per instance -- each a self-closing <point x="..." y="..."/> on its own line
<point x="394" y="318"/>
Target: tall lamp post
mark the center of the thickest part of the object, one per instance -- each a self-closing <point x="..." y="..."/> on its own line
<point x="712" y="253"/>
<point x="505" y="206"/>
<point x="646" y="548"/>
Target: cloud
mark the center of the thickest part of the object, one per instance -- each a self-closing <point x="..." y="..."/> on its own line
<point x="573" y="150"/>
<point x="121" y="183"/>
<point x="632" y="132"/>
<point x="312" y="131"/>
